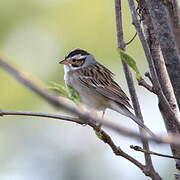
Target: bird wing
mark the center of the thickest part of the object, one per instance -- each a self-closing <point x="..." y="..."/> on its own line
<point x="100" y="78"/>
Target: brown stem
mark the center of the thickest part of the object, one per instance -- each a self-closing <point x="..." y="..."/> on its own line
<point x="140" y="149"/>
<point x="38" y="114"/>
<point x="143" y="83"/>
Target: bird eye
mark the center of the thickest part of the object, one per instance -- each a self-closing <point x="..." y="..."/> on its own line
<point x="73" y="60"/>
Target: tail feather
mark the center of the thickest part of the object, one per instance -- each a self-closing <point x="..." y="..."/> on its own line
<point x="125" y="111"/>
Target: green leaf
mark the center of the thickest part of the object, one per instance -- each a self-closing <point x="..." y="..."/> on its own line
<point x="131" y="62"/>
<point x="67" y="91"/>
<point x="73" y="94"/>
<point x="58" y="88"/>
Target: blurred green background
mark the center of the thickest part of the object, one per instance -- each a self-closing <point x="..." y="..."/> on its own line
<point x="35" y="35"/>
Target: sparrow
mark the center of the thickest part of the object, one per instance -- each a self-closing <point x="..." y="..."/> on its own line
<point x="95" y="84"/>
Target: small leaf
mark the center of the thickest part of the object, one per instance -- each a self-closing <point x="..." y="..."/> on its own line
<point x="59" y="88"/>
<point x="73" y="94"/>
<point x="67" y="91"/>
<point x="131" y="62"/>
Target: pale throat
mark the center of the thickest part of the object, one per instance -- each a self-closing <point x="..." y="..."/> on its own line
<point x="66" y="70"/>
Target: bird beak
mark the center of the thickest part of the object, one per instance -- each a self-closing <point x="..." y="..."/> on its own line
<point x="65" y="62"/>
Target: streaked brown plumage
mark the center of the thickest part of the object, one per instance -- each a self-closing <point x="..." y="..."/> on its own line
<point x="95" y="84"/>
<point x="100" y="78"/>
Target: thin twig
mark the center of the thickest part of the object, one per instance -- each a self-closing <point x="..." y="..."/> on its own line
<point x="160" y="139"/>
<point x="118" y="15"/>
<point x="131" y="40"/>
<point x="140" y="149"/>
<point x="40" y="114"/>
<point x="143" y="83"/>
<point x="118" y="151"/>
<point x="119" y="129"/>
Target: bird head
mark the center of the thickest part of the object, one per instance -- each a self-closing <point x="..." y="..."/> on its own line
<point x="78" y="58"/>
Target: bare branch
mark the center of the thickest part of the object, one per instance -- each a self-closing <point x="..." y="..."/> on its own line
<point x="119" y="152"/>
<point x="143" y="83"/>
<point x="160" y="139"/>
<point x="140" y="149"/>
<point x="119" y="28"/>
<point x="47" y="115"/>
<point x="118" y="15"/>
<point x="102" y="134"/>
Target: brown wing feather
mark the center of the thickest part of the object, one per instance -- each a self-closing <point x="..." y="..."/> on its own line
<point x="100" y="78"/>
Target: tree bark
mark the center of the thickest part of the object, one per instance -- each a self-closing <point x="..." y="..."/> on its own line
<point x="168" y="43"/>
<point x="160" y="38"/>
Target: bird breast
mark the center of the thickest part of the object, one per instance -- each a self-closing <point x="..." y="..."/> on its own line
<point x="89" y="96"/>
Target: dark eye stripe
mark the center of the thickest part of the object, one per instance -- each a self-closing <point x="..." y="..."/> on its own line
<point x="77" y="63"/>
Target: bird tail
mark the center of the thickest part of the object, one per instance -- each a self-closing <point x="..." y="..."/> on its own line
<point x="125" y="111"/>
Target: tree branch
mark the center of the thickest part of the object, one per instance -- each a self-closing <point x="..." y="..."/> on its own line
<point x="39" y="114"/>
<point x="170" y="117"/>
<point x="140" y="149"/>
<point x="143" y="83"/>
<point x="163" y="31"/>
<point x="102" y="134"/>
<point x="171" y="121"/>
<point x="163" y="139"/>
<point x="119" y="28"/>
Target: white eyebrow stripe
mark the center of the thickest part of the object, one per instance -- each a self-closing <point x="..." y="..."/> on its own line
<point x="79" y="56"/>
